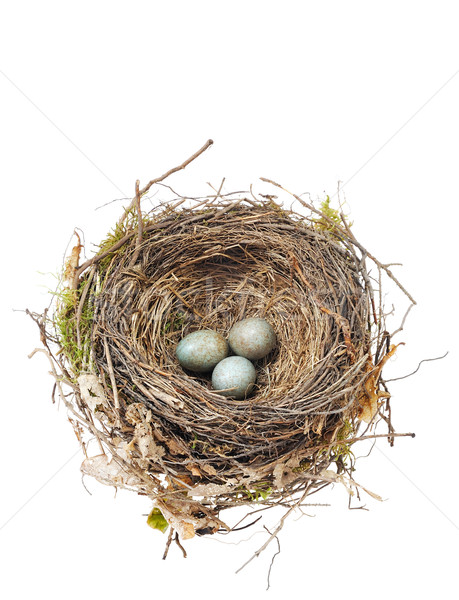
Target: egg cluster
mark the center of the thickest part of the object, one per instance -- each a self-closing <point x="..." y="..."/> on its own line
<point x="207" y="350"/>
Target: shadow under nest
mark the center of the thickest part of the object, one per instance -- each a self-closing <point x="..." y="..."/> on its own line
<point x="164" y="432"/>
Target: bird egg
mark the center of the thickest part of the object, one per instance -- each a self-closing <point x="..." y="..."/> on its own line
<point x="201" y="350"/>
<point x="234" y="377"/>
<point x="252" y="338"/>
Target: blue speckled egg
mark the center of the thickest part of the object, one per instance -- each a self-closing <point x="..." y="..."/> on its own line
<point x="201" y="350"/>
<point x="252" y="338"/>
<point x="235" y="372"/>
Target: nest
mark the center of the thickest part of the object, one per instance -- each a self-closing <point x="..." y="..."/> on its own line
<point x="191" y="264"/>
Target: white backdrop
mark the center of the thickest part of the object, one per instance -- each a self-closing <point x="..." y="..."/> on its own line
<point x="97" y="94"/>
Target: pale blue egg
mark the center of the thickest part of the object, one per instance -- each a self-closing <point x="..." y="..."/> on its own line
<point x="252" y="338"/>
<point x="201" y="350"/>
<point x="234" y="377"/>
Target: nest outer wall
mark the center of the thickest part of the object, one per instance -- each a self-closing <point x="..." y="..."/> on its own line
<point x="166" y="433"/>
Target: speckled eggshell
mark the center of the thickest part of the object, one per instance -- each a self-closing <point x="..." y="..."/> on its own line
<point x="234" y="372"/>
<point x="252" y="338"/>
<point x="201" y="350"/>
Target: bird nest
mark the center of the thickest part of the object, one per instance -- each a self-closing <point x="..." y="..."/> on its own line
<point x="206" y="263"/>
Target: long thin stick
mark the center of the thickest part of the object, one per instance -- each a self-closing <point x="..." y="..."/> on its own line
<point x="417" y="368"/>
<point x="144" y="190"/>
<point x="136" y="201"/>
<point x="362" y="437"/>
<point x="112" y="374"/>
<point x="135" y="256"/>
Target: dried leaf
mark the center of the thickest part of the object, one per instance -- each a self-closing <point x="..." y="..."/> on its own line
<point x="209" y="469"/>
<point x="214" y="489"/>
<point x="144" y="435"/>
<point x="72" y="263"/>
<point x="107" y="471"/>
<point x="174" y="447"/>
<point x="91" y="391"/>
<point x="279" y="474"/>
<point x="187" y="531"/>
<point x="187" y="481"/>
<point x="146" y="444"/>
<point x="329" y="475"/>
<point x="194" y="469"/>
<point x="182" y="524"/>
<point x="137" y="413"/>
<point x="370" y="398"/>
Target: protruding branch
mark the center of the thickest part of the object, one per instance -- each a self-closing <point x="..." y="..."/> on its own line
<point x="144" y="190"/>
<point x="136" y="202"/>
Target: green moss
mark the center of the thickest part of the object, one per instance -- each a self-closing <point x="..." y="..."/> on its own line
<point x="304" y="465"/>
<point x="174" y="323"/>
<point x="128" y="225"/>
<point x="261" y="491"/>
<point x="331" y="219"/>
<point x="67" y="325"/>
<point x="206" y="449"/>
<point x="339" y="453"/>
<point x="342" y="452"/>
<point x="115" y="235"/>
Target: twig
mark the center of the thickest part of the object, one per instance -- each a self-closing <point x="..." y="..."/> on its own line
<point x="240" y="528"/>
<point x="98" y="257"/>
<point x="170" y="172"/>
<point x="388" y="421"/>
<point x="177" y="541"/>
<point x="168" y="543"/>
<point x="135" y="202"/>
<point x="218" y="195"/>
<point x="384" y="267"/>
<point x="135" y="256"/>
<point x="182" y="299"/>
<point x="362" y="437"/>
<point x="112" y="374"/>
<point x="417" y="368"/>
<point x="363" y="271"/>
<point x="273" y="558"/>
<point x="403" y="321"/>
<point x="80" y="307"/>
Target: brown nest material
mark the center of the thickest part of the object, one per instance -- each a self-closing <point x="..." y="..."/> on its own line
<point x="201" y="263"/>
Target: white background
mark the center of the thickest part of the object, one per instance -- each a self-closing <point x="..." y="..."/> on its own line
<point x="97" y="94"/>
